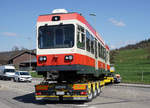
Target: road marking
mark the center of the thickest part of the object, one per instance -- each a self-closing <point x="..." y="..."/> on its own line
<point x="84" y="105"/>
<point x="91" y="107"/>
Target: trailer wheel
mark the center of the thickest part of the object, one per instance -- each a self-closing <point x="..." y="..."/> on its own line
<point x="95" y="93"/>
<point x="98" y="91"/>
<point x="90" y="97"/>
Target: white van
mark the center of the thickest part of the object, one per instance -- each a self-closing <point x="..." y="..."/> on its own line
<point x="7" y="72"/>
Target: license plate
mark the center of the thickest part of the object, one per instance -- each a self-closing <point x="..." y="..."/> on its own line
<point x="60" y="87"/>
<point x="60" y="93"/>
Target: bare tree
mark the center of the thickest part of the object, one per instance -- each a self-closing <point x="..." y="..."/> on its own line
<point x="22" y="48"/>
<point x="15" y="48"/>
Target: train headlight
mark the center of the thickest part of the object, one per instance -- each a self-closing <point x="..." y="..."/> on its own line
<point x="69" y="57"/>
<point x="42" y="58"/>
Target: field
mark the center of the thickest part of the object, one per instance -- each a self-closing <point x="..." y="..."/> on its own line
<point x="34" y="74"/>
<point x="133" y="65"/>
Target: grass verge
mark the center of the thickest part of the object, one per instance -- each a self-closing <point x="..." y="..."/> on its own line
<point x="35" y="75"/>
<point x="133" y="65"/>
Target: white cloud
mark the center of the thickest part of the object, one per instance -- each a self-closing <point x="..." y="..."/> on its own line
<point x="9" y="34"/>
<point x="117" y="23"/>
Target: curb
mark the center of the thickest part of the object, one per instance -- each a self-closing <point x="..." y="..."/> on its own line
<point x="133" y="85"/>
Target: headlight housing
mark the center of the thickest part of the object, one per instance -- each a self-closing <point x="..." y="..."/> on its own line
<point x="42" y="59"/>
<point x="69" y="57"/>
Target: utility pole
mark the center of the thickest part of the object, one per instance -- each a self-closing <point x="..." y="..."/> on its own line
<point x="30" y="52"/>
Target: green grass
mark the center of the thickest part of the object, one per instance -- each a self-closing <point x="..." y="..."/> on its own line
<point x="131" y="64"/>
<point x="34" y="75"/>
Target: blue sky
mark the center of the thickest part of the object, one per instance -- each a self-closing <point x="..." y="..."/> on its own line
<point x="120" y="22"/>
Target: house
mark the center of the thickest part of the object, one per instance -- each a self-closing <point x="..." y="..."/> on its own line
<point x="4" y="56"/>
<point x="22" y="60"/>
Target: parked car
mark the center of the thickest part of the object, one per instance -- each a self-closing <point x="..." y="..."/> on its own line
<point x="23" y="76"/>
<point x="117" y="78"/>
<point x="7" y="72"/>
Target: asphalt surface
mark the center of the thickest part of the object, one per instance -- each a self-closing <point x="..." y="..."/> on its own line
<point x="21" y="95"/>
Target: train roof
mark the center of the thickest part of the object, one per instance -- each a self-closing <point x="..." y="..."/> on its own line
<point x="71" y="16"/>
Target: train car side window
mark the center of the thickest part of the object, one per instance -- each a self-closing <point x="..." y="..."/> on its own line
<point x="80" y="37"/>
<point x="88" y="41"/>
<point x="107" y="56"/>
<point x="95" y="47"/>
<point x="92" y="44"/>
<point x="102" y="52"/>
<point x="99" y="49"/>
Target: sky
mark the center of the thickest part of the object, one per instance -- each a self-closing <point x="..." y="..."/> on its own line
<point x="119" y="22"/>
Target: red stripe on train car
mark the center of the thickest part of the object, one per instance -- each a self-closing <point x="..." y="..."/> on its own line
<point x="59" y="59"/>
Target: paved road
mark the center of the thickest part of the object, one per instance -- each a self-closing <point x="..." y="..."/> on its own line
<point x="20" y="95"/>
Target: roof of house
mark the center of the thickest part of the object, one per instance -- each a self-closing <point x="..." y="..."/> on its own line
<point x="20" y="53"/>
<point x="7" y="56"/>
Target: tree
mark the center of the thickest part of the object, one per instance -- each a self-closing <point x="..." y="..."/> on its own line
<point x="148" y="49"/>
<point x="15" y="48"/>
<point x="22" y="48"/>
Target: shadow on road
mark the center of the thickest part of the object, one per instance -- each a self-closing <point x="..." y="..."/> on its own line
<point x="29" y="98"/>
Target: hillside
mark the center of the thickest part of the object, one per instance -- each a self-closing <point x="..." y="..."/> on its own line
<point x="133" y="63"/>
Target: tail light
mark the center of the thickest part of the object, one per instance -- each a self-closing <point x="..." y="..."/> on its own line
<point x="38" y="93"/>
<point x="83" y="93"/>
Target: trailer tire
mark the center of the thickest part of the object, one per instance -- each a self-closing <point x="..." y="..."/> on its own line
<point x="90" y="97"/>
<point x="98" y="91"/>
<point x="95" y="93"/>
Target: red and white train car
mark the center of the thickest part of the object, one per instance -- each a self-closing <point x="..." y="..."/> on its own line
<point x="66" y="42"/>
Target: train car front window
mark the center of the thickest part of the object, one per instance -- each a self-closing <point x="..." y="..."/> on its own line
<point x="57" y="36"/>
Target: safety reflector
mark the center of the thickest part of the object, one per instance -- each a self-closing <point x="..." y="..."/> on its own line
<point x="41" y="87"/>
<point x="79" y="87"/>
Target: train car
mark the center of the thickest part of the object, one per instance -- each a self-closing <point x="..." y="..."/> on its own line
<point x="72" y="57"/>
<point x="66" y="42"/>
